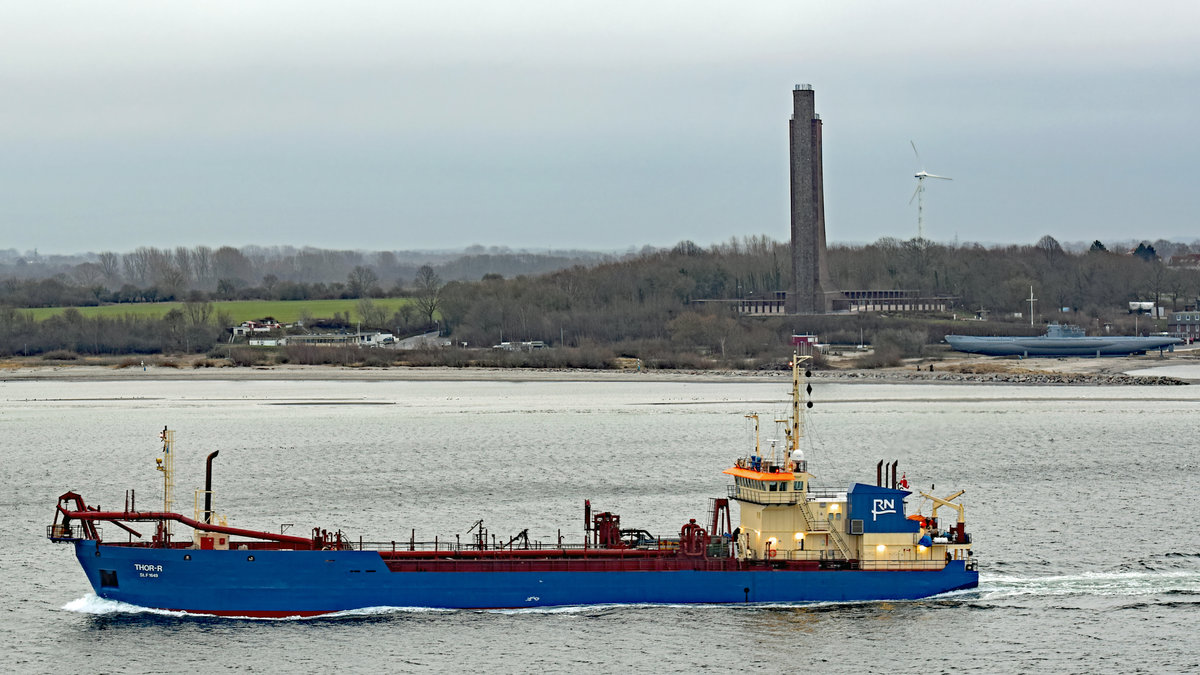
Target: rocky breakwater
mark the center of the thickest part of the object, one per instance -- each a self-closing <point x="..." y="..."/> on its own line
<point x="1038" y="378"/>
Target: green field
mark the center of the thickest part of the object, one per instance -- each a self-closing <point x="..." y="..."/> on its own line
<point x="285" y="311"/>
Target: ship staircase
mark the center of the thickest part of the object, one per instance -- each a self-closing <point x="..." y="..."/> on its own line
<point x="718" y="517"/>
<point x="720" y="527"/>
<point x="811" y="524"/>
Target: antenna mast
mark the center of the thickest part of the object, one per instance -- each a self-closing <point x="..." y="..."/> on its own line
<point x="757" y="445"/>
<point x="795" y="435"/>
<point x="797" y="430"/>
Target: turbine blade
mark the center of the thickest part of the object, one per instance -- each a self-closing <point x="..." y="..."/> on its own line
<point x="930" y="175"/>
<point x="914" y="146"/>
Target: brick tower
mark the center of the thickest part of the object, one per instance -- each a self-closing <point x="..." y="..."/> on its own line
<point x="810" y="271"/>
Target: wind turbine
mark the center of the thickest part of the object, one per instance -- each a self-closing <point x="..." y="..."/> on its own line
<point x="919" y="193"/>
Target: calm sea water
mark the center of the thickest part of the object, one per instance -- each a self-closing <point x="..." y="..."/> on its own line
<point x="1080" y="500"/>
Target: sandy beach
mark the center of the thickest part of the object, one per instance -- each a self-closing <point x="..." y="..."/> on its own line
<point x="1181" y="366"/>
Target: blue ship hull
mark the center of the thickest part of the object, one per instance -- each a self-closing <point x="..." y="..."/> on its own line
<point x="292" y="583"/>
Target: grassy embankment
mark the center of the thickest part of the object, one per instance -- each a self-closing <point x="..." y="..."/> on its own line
<point x="286" y="311"/>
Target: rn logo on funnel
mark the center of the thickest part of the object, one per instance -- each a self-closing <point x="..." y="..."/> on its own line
<point x="881" y="507"/>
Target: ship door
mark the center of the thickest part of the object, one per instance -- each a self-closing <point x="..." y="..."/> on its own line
<point x="206" y="543"/>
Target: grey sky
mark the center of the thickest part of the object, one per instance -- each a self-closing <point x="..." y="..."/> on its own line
<point x="386" y="125"/>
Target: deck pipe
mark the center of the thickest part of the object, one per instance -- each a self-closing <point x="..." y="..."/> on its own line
<point x="208" y="486"/>
<point x="879" y="474"/>
<point x="300" y="543"/>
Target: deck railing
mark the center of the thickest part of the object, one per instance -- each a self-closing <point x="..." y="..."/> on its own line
<point x="762" y="496"/>
<point x="901" y="564"/>
<point x="825" y="493"/>
<point x="767" y="497"/>
<point x="451" y="546"/>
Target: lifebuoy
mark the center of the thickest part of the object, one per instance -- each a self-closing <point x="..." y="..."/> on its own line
<point x="771" y="553"/>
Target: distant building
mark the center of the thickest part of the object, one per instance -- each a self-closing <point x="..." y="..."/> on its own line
<point x="1185" y="326"/>
<point x="891" y="301"/>
<point x="768" y="303"/>
<point x="257" y="326"/>
<point x="1186" y="261"/>
<point x="844" y="301"/>
<point x="428" y="340"/>
<point x="526" y="346"/>
<point x="807" y="343"/>
<point x="375" y="339"/>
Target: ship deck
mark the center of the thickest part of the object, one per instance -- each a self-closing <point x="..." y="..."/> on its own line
<point x="443" y="557"/>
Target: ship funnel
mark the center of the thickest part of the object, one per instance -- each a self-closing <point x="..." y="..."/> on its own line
<point x="208" y="486"/>
<point x="894" y="465"/>
<point x="879" y="474"/>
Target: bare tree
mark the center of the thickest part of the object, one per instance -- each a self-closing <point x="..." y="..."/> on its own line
<point x="183" y="262"/>
<point x="164" y="273"/>
<point x="1049" y="246"/>
<point x="360" y="280"/>
<point x="88" y="273"/>
<point x="202" y="270"/>
<point x="137" y="265"/>
<point x="197" y="309"/>
<point x="1177" y="283"/>
<point x="110" y="267"/>
<point x="371" y="314"/>
<point x="429" y="288"/>
<point x="229" y="263"/>
<point x="170" y="280"/>
<point x="269" y="282"/>
<point x="386" y="263"/>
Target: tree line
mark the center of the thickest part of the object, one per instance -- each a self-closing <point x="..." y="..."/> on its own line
<point x="644" y="305"/>
<point x="195" y="328"/>
<point x="1093" y="282"/>
<point x="150" y="274"/>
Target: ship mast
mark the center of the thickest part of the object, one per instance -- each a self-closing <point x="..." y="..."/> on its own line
<point x="168" y="469"/>
<point x="795" y="435"/>
<point x="757" y="444"/>
<point x="797" y="430"/>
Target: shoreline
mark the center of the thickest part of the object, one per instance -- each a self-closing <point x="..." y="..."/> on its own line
<point x="1177" y="369"/>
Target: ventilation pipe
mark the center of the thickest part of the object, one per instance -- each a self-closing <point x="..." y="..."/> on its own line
<point x="208" y="487"/>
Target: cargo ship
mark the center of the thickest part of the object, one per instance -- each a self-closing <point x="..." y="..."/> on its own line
<point x="795" y="543"/>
